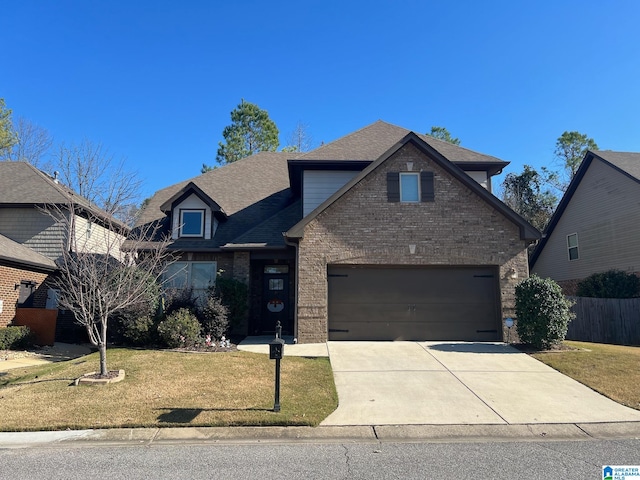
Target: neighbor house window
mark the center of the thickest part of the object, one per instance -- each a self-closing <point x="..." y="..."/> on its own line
<point x="198" y="276"/>
<point x="409" y="187"/>
<point x="192" y="223"/>
<point x="572" y="245"/>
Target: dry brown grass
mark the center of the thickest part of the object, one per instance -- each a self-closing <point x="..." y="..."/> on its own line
<point x="612" y="370"/>
<point x="164" y="388"/>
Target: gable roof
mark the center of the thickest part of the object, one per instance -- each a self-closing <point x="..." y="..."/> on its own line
<point x="370" y="142"/>
<point x="527" y="231"/>
<point x="23" y="185"/>
<point x="13" y="253"/>
<point x="362" y="147"/>
<point x="627" y="163"/>
<point x="186" y="191"/>
<point x="248" y="191"/>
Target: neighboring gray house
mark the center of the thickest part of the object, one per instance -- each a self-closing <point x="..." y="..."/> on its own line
<point x="596" y="226"/>
<point x="31" y="240"/>
<point x="382" y="234"/>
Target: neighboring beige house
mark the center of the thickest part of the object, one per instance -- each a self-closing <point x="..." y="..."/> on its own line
<point x="381" y="234"/>
<point x="596" y="226"/>
<point x="32" y="240"/>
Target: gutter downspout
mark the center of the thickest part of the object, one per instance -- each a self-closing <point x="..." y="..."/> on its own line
<point x="295" y="310"/>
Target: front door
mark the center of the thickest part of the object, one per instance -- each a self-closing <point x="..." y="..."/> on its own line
<point x="275" y="302"/>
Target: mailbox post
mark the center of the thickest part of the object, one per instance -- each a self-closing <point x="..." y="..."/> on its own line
<point x="276" y="350"/>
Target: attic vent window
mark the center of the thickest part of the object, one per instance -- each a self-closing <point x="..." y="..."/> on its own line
<point x="192" y="223"/>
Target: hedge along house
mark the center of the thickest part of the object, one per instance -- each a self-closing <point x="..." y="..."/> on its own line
<point x="383" y="234"/>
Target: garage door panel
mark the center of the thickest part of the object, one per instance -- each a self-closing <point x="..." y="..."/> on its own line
<point x="441" y="303"/>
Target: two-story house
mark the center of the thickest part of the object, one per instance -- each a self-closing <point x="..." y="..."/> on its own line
<point x="381" y="234"/>
<point x="40" y="218"/>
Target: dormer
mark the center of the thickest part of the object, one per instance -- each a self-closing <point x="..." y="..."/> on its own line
<point x="194" y="215"/>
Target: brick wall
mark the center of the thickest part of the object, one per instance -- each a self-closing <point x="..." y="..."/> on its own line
<point x="363" y="228"/>
<point x="9" y="277"/>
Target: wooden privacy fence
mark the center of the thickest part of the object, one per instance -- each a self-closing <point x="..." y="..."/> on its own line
<point x="606" y="320"/>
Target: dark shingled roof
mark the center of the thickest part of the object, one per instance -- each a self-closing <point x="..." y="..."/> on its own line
<point x="22" y="184"/>
<point x="628" y="162"/>
<point x="249" y="191"/>
<point x="372" y="141"/>
<point x="257" y="197"/>
<point x="14" y="253"/>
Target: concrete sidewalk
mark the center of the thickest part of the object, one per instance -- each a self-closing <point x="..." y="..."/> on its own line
<point x="360" y="434"/>
<point x="457" y="383"/>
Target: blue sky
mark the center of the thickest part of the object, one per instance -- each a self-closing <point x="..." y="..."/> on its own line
<point x="155" y="81"/>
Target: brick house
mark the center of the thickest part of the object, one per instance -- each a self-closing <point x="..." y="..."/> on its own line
<point x="22" y="271"/>
<point x="383" y="234"/>
<point x="32" y="240"/>
<point x="596" y="226"/>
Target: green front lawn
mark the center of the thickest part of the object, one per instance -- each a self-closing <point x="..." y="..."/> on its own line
<point x="612" y="370"/>
<point x="167" y="389"/>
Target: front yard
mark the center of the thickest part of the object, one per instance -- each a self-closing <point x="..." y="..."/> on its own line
<point x="612" y="370"/>
<point x="165" y="389"/>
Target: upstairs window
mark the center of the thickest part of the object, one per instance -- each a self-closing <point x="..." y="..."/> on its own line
<point x="409" y="187"/>
<point x="192" y="223"/>
<point x="572" y="245"/>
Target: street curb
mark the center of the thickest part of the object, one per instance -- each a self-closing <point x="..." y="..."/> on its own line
<point x="332" y="434"/>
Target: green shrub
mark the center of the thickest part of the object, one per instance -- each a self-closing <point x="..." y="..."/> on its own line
<point x="179" y="298"/>
<point x="136" y="325"/>
<point x="180" y="328"/>
<point x="543" y="312"/>
<point x="215" y="317"/>
<point x="15" y="338"/>
<point x="139" y="331"/>
<point x="234" y="294"/>
<point x="610" y="284"/>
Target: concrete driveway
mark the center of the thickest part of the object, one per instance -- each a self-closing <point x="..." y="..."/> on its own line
<point x="454" y="383"/>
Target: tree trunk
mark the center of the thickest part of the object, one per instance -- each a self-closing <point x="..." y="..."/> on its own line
<point x="103" y="359"/>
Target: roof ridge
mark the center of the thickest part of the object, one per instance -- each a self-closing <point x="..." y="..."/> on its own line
<point x="348" y="135"/>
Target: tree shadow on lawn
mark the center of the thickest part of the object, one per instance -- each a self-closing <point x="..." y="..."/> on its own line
<point x="187" y="415"/>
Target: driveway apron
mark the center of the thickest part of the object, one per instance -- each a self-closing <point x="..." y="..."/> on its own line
<point x="453" y="383"/>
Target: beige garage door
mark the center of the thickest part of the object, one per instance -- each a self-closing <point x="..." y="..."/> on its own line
<point x="397" y="303"/>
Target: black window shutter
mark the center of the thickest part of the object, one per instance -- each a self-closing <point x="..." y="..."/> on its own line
<point x="393" y="186"/>
<point x="426" y="186"/>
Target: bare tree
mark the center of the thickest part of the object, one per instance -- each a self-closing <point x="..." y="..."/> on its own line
<point x="32" y="144"/>
<point x="299" y="140"/>
<point x="91" y="171"/>
<point x="101" y="274"/>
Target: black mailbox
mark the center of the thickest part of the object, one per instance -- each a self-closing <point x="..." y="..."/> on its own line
<point x="276" y="349"/>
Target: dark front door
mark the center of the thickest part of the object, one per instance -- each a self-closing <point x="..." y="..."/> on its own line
<point x="276" y="302"/>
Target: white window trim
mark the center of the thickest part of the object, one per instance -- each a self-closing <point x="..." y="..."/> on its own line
<point x="577" y="245"/>
<point x="202" y="215"/>
<point x="410" y="174"/>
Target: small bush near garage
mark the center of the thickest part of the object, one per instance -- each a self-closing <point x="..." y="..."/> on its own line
<point x="15" y="338"/>
<point x="543" y="312"/>
<point x="179" y="329"/>
<point x="610" y="284"/>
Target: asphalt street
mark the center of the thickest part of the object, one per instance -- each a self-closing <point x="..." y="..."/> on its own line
<point x="334" y="460"/>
